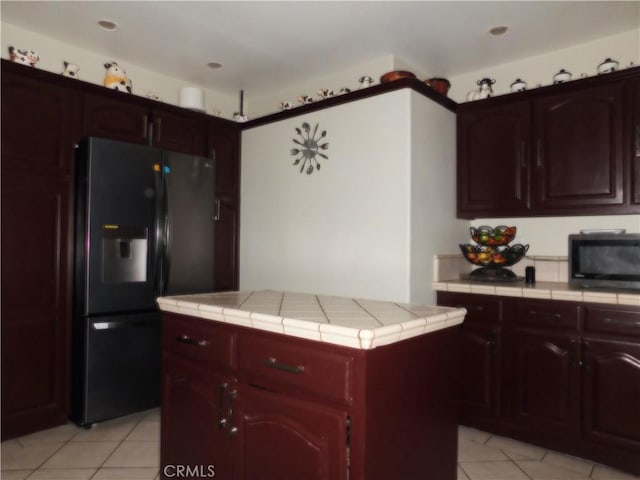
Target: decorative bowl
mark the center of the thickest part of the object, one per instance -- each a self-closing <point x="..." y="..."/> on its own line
<point x="494" y="256"/>
<point x="501" y="235"/>
<point x="396" y="75"/>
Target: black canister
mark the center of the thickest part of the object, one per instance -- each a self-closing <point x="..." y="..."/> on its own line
<point x="530" y="275"/>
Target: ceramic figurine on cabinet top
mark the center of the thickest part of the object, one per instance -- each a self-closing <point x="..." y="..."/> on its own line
<point x="344" y="90"/>
<point x="116" y="78"/>
<point x="25" y="57"/>
<point x="608" y="66"/>
<point x="304" y="99"/>
<point x="562" y="76"/>
<point x="484" y="89"/>
<point x="365" y="81"/>
<point x="518" y="85"/>
<point x="70" y="70"/>
<point x="326" y="93"/>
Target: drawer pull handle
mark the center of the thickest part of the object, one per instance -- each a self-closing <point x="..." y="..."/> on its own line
<point x="620" y="321"/>
<point x="533" y="313"/>
<point x="273" y="363"/>
<point x="192" y="341"/>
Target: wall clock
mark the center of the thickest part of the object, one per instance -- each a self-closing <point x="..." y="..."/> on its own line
<point x="308" y="146"/>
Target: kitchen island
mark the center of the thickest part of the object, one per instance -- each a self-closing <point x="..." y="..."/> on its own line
<point x="265" y="385"/>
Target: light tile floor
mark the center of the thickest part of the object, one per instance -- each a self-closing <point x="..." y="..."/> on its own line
<point x="128" y="449"/>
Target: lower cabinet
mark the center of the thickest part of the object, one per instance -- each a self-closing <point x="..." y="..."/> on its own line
<point x="246" y="404"/>
<point x="563" y="375"/>
<point x="289" y="439"/>
<point x="193" y="431"/>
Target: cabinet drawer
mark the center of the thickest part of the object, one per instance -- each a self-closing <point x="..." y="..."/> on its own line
<point x="480" y="308"/>
<point x="199" y="340"/>
<point x="613" y="320"/>
<point x="548" y="314"/>
<point x="273" y="364"/>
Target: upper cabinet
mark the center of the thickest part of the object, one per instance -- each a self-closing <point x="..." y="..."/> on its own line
<point x="224" y="147"/>
<point x="578" y="159"/>
<point x="126" y="120"/>
<point x="560" y="150"/>
<point x="493" y="172"/>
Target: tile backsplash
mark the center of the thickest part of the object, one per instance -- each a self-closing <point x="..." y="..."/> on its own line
<point x="548" y="268"/>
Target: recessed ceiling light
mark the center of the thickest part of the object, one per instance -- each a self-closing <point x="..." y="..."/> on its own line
<point x="107" y="24"/>
<point x="499" y="30"/>
<point x="214" y="65"/>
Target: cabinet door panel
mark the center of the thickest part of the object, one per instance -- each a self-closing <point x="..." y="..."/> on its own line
<point x="191" y="411"/>
<point x="226" y="244"/>
<point x="579" y="149"/>
<point x="545" y="381"/>
<point x="36" y="310"/>
<point x="480" y="396"/>
<point x="39" y="127"/>
<point x="117" y="120"/>
<point x="289" y="439"/>
<point x="180" y="132"/>
<point x="224" y="149"/>
<point x="493" y="169"/>
<point x="611" y="393"/>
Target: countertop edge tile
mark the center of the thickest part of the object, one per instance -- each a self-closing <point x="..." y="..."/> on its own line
<point x="349" y="334"/>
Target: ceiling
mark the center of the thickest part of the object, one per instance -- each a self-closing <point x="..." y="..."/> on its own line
<point x="271" y="44"/>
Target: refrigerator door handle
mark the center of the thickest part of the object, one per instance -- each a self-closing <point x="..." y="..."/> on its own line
<point x="166" y="235"/>
<point x="156" y="266"/>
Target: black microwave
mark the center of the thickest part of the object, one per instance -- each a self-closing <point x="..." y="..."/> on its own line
<point x="604" y="260"/>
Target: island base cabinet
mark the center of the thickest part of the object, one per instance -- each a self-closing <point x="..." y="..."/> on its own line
<point x="288" y="439"/>
<point x="194" y="435"/>
<point x="299" y="409"/>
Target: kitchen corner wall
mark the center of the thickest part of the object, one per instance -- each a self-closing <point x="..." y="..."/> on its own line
<point x="368" y="223"/>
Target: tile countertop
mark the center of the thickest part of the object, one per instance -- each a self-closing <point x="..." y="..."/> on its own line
<point x="355" y="323"/>
<point x="544" y="290"/>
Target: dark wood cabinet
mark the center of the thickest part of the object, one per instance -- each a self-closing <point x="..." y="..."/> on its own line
<point x="288" y="438"/>
<point x="568" y="375"/>
<point x="633" y="142"/>
<point x="224" y="148"/>
<point x="544" y="338"/>
<point x="40" y="126"/>
<point x="558" y="150"/>
<point x="293" y="408"/>
<point x="129" y="121"/>
<point x="546" y="382"/>
<point x="480" y="352"/>
<point x="192" y="432"/>
<point x="226" y="243"/>
<point x="578" y="149"/>
<point x="493" y="160"/>
<point x="611" y="380"/>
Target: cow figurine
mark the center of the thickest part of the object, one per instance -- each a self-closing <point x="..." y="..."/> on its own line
<point x="70" y="70"/>
<point x="484" y="89"/>
<point x="25" y="57"/>
<point x="116" y="78"/>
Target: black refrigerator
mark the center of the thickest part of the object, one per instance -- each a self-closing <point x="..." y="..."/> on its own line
<point x="144" y="227"/>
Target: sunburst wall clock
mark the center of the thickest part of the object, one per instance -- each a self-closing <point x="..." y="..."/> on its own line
<point x="308" y="146"/>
